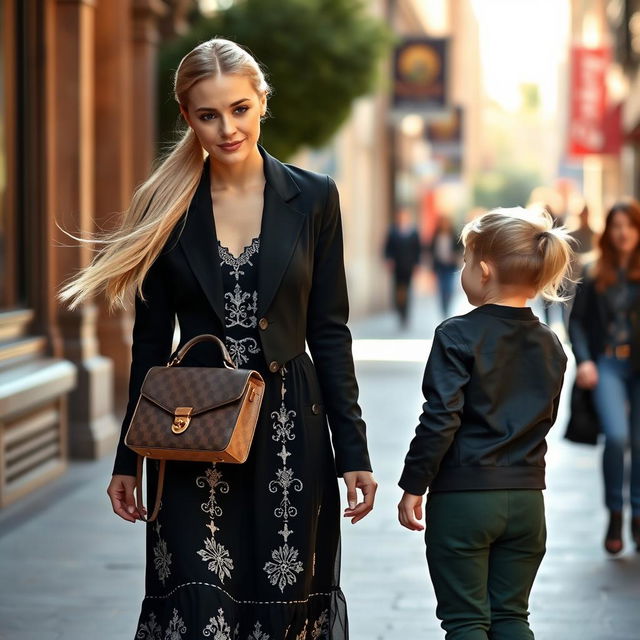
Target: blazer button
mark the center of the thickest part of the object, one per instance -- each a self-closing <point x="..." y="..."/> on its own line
<point x="315" y="409"/>
<point x="274" y="367"/>
<point x="263" y="323"/>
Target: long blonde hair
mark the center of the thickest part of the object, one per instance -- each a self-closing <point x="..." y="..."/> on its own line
<point x="524" y="247"/>
<point x="158" y="203"/>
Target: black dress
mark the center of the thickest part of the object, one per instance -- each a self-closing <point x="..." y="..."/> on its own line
<point x="251" y="551"/>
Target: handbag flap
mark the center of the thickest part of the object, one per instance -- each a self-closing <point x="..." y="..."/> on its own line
<point x="203" y="388"/>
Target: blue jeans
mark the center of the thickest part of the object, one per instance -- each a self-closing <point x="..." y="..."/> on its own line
<point x="617" y="401"/>
<point x="446" y="276"/>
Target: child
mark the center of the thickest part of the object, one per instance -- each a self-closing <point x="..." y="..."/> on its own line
<point x="492" y="385"/>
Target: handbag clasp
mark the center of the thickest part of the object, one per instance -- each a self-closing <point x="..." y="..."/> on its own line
<point x="181" y="419"/>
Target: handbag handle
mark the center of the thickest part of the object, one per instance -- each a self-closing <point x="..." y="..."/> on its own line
<point x="203" y="337"/>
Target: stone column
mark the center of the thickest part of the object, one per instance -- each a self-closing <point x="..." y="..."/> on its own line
<point x="113" y="163"/>
<point x="145" y="43"/>
<point x="93" y="429"/>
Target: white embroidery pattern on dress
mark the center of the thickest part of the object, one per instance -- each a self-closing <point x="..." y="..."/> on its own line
<point x="321" y="626"/>
<point x="240" y="306"/>
<point x="153" y="631"/>
<point x="162" y="557"/>
<point x="214" y="553"/>
<point x="176" y="627"/>
<point x="150" y="630"/>
<point x="236" y="263"/>
<point x="285" y="565"/>
<point x="219" y="627"/>
<point x="257" y="633"/>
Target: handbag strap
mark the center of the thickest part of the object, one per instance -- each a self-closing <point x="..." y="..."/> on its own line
<point x="139" y="501"/>
<point x="203" y="337"/>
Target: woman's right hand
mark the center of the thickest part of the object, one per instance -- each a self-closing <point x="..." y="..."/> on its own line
<point x="121" y="493"/>
<point x="587" y="375"/>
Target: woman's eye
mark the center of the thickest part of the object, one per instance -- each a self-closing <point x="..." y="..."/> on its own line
<point x="207" y="116"/>
<point x="242" y="109"/>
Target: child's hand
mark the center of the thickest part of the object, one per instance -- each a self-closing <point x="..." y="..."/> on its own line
<point x="410" y="512"/>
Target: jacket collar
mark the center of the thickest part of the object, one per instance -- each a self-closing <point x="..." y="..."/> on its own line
<point x="281" y="226"/>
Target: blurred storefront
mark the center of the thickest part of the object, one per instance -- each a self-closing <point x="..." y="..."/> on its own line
<point x="383" y="157"/>
<point x="76" y="134"/>
<point x="624" y="19"/>
<point x="603" y="133"/>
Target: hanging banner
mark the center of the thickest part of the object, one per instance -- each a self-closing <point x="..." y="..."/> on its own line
<point x="592" y="122"/>
<point x="446" y="140"/>
<point x="420" y="75"/>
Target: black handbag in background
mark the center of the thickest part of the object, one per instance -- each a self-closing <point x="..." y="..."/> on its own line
<point x="584" y="425"/>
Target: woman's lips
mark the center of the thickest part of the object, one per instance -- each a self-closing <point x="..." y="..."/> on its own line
<point x="231" y="147"/>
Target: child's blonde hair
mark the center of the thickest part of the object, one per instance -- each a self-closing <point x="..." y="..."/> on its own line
<point x="524" y="247"/>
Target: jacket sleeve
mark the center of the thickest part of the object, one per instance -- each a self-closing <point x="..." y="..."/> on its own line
<point x="446" y="374"/>
<point x="329" y="341"/>
<point x="152" y="341"/>
<point x="578" y="319"/>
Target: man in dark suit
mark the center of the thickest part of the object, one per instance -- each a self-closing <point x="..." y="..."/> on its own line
<point x="402" y="251"/>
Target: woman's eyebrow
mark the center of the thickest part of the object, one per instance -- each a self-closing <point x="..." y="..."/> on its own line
<point x="233" y="104"/>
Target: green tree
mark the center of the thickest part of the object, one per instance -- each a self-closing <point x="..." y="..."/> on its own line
<point x="319" y="55"/>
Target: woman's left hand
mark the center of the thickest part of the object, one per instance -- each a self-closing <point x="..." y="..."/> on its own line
<point x="364" y="481"/>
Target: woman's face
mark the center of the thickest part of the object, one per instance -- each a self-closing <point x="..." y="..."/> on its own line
<point x="624" y="236"/>
<point x="224" y="111"/>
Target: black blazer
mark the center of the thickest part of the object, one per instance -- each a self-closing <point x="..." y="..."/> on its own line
<point x="302" y="296"/>
<point x="588" y="322"/>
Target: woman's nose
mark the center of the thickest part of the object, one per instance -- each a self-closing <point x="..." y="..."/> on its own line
<point x="227" y="126"/>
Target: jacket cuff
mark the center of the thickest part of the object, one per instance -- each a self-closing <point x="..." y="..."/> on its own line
<point x="413" y="483"/>
<point x="126" y="462"/>
<point x="361" y="463"/>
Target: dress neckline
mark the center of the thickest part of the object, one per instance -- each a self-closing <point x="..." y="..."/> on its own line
<point x="251" y="248"/>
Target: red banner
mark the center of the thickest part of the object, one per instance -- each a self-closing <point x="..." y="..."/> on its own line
<point x="590" y="118"/>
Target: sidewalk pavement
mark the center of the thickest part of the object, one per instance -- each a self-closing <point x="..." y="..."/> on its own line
<point x="70" y="569"/>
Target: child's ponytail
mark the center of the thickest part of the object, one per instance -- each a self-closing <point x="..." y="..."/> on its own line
<point x="556" y="254"/>
<point x="524" y="247"/>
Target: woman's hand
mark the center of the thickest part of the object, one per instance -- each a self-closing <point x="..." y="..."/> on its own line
<point x="364" y="481"/>
<point x="121" y="494"/>
<point x="587" y="375"/>
<point x="410" y="512"/>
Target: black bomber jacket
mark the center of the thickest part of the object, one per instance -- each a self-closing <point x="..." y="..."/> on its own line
<point x="492" y="386"/>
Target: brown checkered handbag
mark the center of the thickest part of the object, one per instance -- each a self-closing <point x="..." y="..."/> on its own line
<point x="206" y="414"/>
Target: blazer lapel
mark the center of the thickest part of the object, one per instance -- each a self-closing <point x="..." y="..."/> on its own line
<point x="281" y="226"/>
<point x="199" y="243"/>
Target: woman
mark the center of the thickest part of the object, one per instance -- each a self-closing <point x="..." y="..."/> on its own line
<point x="605" y="335"/>
<point x="445" y="252"/>
<point x="250" y="249"/>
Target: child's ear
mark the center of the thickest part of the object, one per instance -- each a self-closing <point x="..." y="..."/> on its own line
<point x="486" y="271"/>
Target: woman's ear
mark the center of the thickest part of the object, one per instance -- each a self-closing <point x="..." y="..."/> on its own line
<point x="185" y="115"/>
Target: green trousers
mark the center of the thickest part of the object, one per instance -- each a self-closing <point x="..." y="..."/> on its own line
<point x="483" y="550"/>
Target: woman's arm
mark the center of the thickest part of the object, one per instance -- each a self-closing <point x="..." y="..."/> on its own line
<point x="578" y="319"/>
<point x="152" y="341"/>
<point x="329" y="341"/>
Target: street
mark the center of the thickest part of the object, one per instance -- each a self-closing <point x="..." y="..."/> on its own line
<point x="70" y="569"/>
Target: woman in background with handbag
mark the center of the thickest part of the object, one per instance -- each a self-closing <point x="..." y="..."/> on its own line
<point x="241" y="246"/>
<point x="604" y="327"/>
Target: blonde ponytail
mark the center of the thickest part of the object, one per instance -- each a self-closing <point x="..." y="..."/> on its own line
<point x="554" y="246"/>
<point x="524" y="247"/>
<point x="128" y="252"/>
<point x="159" y="203"/>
